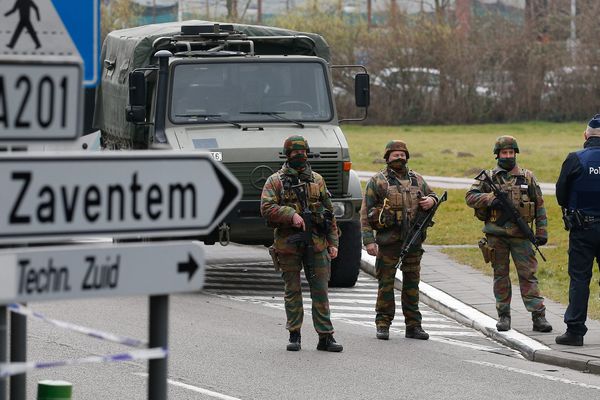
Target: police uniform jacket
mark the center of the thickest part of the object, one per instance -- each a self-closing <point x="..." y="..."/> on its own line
<point x="578" y="186"/>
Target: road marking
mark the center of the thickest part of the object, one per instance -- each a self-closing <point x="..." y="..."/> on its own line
<point x="349" y="305"/>
<point x="193" y="388"/>
<point x="536" y="374"/>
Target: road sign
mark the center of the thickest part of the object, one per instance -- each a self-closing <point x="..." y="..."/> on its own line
<point x="33" y="29"/>
<point x="82" y="271"/>
<point x="48" y="196"/>
<point x="82" y="20"/>
<point x="39" y="101"/>
<point x="40" y="73"/>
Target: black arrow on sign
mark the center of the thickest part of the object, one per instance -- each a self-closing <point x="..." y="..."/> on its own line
<point x="190" y="267"/>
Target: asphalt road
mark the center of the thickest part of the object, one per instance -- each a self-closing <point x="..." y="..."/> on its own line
<point x="228" y="342"/>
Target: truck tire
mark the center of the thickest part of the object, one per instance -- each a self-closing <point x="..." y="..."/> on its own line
<point x="346" y="266"/>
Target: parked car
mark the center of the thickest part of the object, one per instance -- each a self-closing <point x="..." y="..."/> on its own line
<point x="423" y="80"/>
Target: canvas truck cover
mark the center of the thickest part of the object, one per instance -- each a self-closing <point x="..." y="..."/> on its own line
<point x="127" y="49"/>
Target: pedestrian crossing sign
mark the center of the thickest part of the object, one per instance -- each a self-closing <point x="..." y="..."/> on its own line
<point x="52" y="28"/>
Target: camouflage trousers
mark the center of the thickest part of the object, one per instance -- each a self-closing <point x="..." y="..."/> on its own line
<point x="526" y="264"/>
<point x="385" y="272"/>
<point x="291" y="265"/>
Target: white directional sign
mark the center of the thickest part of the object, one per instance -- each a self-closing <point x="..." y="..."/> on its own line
<point x="40" y="74"/>
<point x="82" y="271"/>
<point x="48" y="196"/>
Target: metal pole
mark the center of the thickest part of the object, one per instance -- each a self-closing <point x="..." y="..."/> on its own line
<point x="3" y="343"/>
<point x="180" y="10"/>
<point x="159" y="337"/>
<point x="259" y="12"/>
<point x="18" y="353"/>
<point x="572" y="42"/>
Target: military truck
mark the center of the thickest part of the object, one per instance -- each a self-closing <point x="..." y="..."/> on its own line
<point x="236" y="91"/>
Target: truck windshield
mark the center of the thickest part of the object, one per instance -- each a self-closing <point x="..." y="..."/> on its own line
<point x="250" y="92"/>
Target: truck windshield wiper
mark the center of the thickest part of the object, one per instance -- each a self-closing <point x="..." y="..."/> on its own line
<point x="275" y="114"/>
<point x="209" y="116"/>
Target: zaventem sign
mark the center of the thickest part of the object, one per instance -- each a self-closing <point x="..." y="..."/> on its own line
<point x="49" y="196"/>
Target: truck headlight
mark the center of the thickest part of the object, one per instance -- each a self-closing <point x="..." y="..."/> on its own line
<point x="339" y="209"/>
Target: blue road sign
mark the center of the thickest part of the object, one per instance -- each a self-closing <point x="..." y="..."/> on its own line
<point x="82" y="19"/>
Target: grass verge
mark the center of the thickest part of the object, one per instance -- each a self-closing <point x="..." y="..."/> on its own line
<point x="464" y="150"/>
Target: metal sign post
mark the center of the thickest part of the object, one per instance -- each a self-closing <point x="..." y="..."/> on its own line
<point x="3" y="344"/>
<point x="18" y="353"/>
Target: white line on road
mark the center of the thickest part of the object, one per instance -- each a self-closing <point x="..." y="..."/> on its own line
<point x="536" y="374"/>
<point x="193" y="388"/>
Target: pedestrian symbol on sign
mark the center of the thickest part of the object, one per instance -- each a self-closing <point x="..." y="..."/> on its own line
<point x="24" y="7"/>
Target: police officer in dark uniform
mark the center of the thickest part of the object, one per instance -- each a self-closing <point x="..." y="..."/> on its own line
<point x="578" y="193"/>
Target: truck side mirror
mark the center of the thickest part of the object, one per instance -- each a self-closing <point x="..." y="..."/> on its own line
<point x="361" y="90"/>
<point x="136" y="110"/>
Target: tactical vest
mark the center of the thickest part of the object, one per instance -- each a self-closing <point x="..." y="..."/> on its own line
<point x="522" y="195"/>
<point x="289" y="197"/>
<point x="585" y="189"/>
<point x="401" y="202"/>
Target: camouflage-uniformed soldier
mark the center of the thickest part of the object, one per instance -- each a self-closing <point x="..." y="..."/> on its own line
<point x="392" y="198"/>
<point x="507" y="239"/>
<point x="282" y="208"/>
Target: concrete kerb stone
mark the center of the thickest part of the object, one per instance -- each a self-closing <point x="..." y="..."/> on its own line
<point x="465" y="314"/>
<point x="567" y="360"/>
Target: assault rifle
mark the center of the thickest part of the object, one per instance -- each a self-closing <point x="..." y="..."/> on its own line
<point x="304" y="238"/>
<point x="510" y="213"/>
<point x="423" y="220"/>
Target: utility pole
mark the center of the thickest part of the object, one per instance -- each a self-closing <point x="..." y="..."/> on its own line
<point x="572" y="42"/>
<point x="259" y="12"/>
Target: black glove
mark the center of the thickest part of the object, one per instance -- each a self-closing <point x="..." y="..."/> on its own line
<point x="496" y="203"/>
<point x="541" y="240"/>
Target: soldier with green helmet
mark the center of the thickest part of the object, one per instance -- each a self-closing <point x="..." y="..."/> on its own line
<point x="505" y="238"/>
<point x="284" y="198"/>
<point x="392" y="199"/>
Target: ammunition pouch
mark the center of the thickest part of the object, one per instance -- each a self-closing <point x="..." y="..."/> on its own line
<point x="527" y="211"/>
<point x="482" y="213"/>
<point x="487" y="251"/>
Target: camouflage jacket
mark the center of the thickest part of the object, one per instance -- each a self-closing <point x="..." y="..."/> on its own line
<point x="278" y="205"/>
<point x="376" y="193"/>
<point x="480" y="197"/>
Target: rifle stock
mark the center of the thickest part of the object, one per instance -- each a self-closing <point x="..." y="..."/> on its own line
<point x="509" y="212"/>
<point x="305" y="237"/>
<point x="422" y="222"/>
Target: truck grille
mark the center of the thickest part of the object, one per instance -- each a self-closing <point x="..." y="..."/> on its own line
<point x="252" y="176"/>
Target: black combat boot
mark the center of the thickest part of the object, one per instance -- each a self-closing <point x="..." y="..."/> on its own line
<point x="416" y="333"/>
<point x="540" y="323"/>
<point x="503" y="323"/>
<point x="294" y="344"/>
<point x="327" y="343"/>
<point x="383" y="332"/>
<point x="570" y="339"/>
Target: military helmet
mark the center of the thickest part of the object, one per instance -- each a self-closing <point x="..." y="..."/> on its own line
<point x="505" y="142"/>
<point x="395" y="145"/>
<point x="295" y="142"/>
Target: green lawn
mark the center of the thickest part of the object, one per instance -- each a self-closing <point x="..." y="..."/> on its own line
<point x="463" y="150"/>
<point x="544" y="146"/>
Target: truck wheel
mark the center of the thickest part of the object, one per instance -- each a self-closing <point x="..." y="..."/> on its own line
<point x="345" y="268"/>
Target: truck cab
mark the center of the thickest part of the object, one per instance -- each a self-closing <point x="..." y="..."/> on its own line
<point x="236" y="91"/>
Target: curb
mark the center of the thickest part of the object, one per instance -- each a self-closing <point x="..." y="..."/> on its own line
<point x="463" y="313"/>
